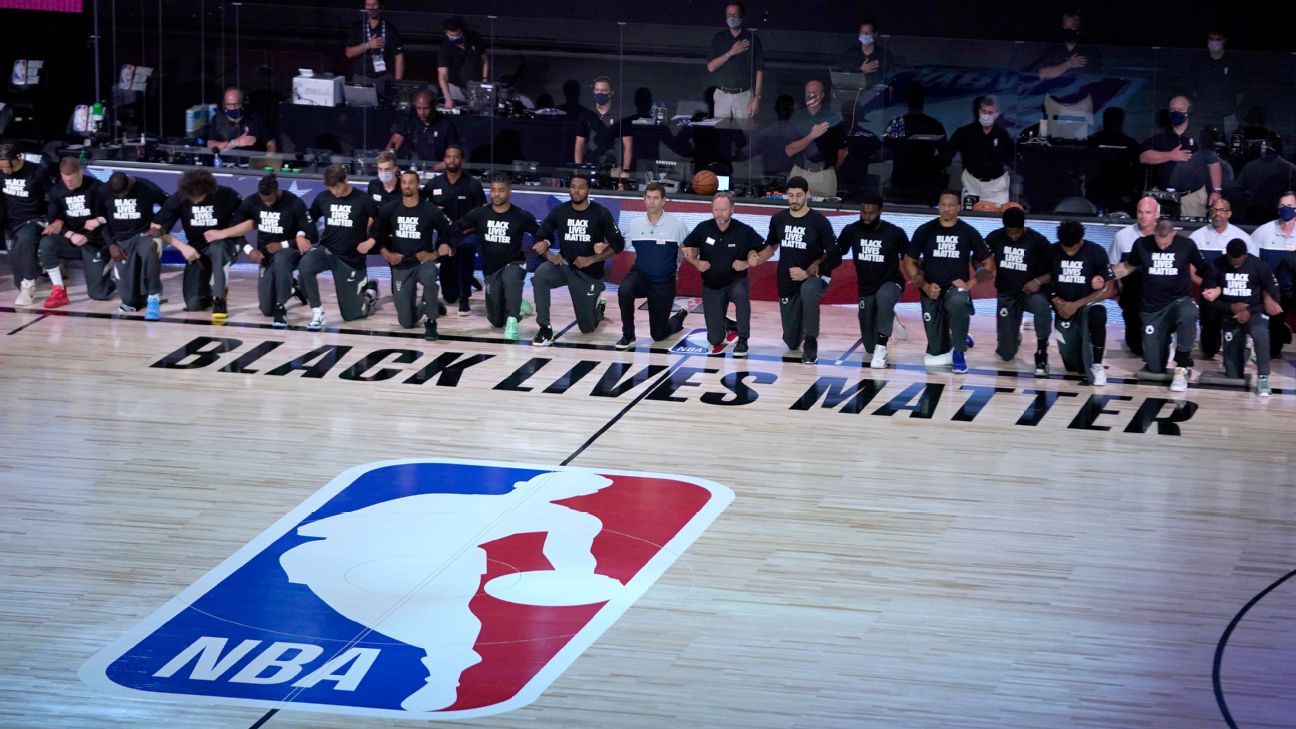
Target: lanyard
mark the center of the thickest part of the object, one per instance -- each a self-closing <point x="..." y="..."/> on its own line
<point x="382" y="31"/>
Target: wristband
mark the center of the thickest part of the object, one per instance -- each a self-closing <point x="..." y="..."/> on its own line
<point x="247" y="249"/>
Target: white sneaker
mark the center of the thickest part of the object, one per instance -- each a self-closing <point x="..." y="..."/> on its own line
<point x="317" y="321"/>
<point x="879" y="357"/>
<point x="26" y="294"/>
<point x="1097" y="375"/>
<point x="1262" y="386"/>
<point x="1180" y="381"/>
<point x="939" y="360"/>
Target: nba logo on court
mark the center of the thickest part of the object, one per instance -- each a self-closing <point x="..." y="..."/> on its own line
<point x="433" y="589"/>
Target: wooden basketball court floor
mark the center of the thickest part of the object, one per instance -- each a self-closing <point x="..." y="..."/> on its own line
<point x="1007" y="551"/>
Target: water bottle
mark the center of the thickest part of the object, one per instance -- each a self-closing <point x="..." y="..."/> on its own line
<point x="216" y="162"/>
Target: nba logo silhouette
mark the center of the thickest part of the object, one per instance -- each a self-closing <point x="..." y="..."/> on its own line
<point x="438" y="589"/>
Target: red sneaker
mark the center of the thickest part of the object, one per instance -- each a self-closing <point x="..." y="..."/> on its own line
<point x="719" y="349"/>
<point x="58" y="297"/>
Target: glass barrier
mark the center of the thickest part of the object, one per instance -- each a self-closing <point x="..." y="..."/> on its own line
<point x="637" y="102"/>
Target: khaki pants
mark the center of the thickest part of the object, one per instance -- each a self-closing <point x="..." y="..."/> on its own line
<point x="822" y="183"/>
<point x="1193" y="205"/>
<point x="732" y="105"/>
<point x="995" y="191"/>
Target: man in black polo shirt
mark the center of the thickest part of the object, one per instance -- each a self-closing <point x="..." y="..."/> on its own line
<point x="1244" y="291"/>
<point x="503" y="227"/>
<point x="587" y="235"/>
<point x="199" y="206"/>
<point x="806" y="242"/>
<point x="74" y="233"/>
<point x="1178" y="162"/>
<point x="598" y="133"/>
<point x="424" y="135"/>
<point x="1166" y="260"/>
<point x="346" y="214"/>
<point x="819" y="148"/>
<point x="237" y="127"/>
<point x="1020" y="256"/>
<point x="404" y="231"/>
<point x="987" y="151"/>
<point x="938" y="262"/>
<point x="1061" y="62"/>
<point x="284" y="232"/>
<point x="457" y="192"/>
<point x="876" y="246"/>
<point x="736" y="64"/>
<point x="460" y="59"/>
<point x="127" y="206"/>
<point x="1078" y="274"/>
<point x="866" y="57"/>
<point x="23" y="188"/>
<point x="719" y="248"/>
<point x="376" y="45"/>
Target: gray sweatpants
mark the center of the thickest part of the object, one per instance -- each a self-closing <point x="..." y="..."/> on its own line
<point x="1179" y="318"/>
<point x="1235" y="344"/>
<point x="1009" y="320"/>
<point x="946" y="320"/>
<point x="405" y="282"/>
<point x="140" y="275"/>
<point x="504" y="294"/>
<point x="349" y="282"/>
<point x="715" y="304"/>
<point x="584" y="290"/>
<point x="1084" y="331"/>
<point x="275" y="279"/>
<point x="209" y="275"/>
<point x="800" y="312"/>
<point x="23" y="255"/>
<point x="94" y="261"/>
<point x="877" y="314"/>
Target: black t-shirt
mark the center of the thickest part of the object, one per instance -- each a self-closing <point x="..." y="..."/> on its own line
<point x="361" y="33"/>
<point x="576" y="231"/>
<point x="1243" y="284"/>
<point x="381" y="195"/>
<point x="75" y="207"/>
<point x="223" y="129"/>
<point x="22" y="195"/>
<point x="985" y="155"/>
<point x="455" y="199"/>
<point x="462" y="64"/>
<point x="601" y="133"/>
<point x="1073" y="274"/>
<point x="852" y="58"/>
<point x="408" y="231"/>
<point x="279" y="222"/>
<point x="428" y="141"/>
<point x="738" y="72"/>
<point x="722" y="248"/>
<point x="1182" y="176"/>
<point x="502" y="234"/>
<point x="1019" y="261"/>
<point x="216" y="211"/>
<point x="1058" y="53"/>
<point x="801" y="242"/>
<point x="132" y="213"/>
<point x="877" y="251"/>
<point x="346" y="223"/>
<point x="1166" y="276"/>
<point x="946" y="254"/>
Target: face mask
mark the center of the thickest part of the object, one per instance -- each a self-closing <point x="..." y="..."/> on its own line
<point x="1070" y="35"/>
<point x="386" y="177"/>
<point x="454" y="38"/>
<point x="602" y="99"/>
<point x="866" y="39"/>
<point x="1178" y="117"/>
<point x="812" y="100"/>
<point x="234" y="114"/>
<point x="1215" y="46"/>
<point x="734" y="23"/>
<point x="1287" y="214"/>
<point x="988" y="120"/>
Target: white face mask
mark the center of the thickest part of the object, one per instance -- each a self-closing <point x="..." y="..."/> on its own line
<point x="988" y="120"/>
<point x="386" y="177"/>
<point x="734" y="23"/>
<point x="1215" y="46"/>
<point x="866" y="39"/>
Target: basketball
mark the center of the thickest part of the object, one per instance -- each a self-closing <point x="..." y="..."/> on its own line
<point x="984" y="206"/>
<point x="1011" y="204"/>
<point x="705" y="182"/>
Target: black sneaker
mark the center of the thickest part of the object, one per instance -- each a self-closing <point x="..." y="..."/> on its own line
<point x="476" y="283"/>
<point x="464" y="309"/>
<point x="625" y="342"/>
<point x="441" y="309"/>
<point x="599" y="310"/>
<point x="810" y="351"/>
<point x="731" y="325"/>
<point x="430" y="331"/>
<point x="543" y="338"/>
<point x="740" y="349"/>
<point x="677" y="320"/>
<point x="280" y="317"/>
<point x="219" y="309"/>
<point x="1041" y="364"/>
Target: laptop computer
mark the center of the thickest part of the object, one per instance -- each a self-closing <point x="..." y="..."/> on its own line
<point x="357" y="95"/>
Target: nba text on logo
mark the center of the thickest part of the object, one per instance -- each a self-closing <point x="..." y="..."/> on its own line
<point x="438" y="589"/>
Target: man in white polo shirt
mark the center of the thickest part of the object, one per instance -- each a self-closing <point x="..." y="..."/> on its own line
<point x="1211" y="240"/>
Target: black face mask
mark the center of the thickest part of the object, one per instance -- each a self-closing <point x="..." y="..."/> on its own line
<point x="1070" y="35"/>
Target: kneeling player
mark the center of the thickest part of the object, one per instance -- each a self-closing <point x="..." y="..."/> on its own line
<point x="1079" y="272"/>
<point x="1243" y="290"/>
<point x="404" y="230"/>
<point x="201" y="206"/>
<point x="502" y="227"/>
<point x="347" y="214"/>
